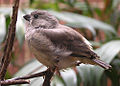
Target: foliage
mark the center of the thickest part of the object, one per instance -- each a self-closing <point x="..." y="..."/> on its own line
<point x="81" y="15"/>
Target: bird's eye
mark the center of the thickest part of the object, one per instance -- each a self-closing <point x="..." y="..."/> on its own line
<point x="36" y="16"/>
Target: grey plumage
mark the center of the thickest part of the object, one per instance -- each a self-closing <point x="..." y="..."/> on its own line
<point x="56" y="45"/>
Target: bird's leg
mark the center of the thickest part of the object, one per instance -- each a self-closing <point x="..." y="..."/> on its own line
<point x="57" y="71"/>
<point x="56" y="66"/>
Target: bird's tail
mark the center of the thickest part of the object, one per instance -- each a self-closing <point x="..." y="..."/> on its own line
<point x="102" y="64"/>
<point x="93" y="59"/>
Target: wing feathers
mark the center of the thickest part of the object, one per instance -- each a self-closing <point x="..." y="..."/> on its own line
<point x="68" y="39"/>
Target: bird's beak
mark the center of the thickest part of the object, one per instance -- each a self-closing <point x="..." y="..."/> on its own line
<point x="27" y="17"/>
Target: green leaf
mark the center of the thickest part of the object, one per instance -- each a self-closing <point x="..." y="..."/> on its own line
<point x="116" y="63"/>
<point x="98" y="11"/>
<point x="71" y="2"/>
<point x="20" y="28"/>
<point x="58" y="81"/>
<point x="115" y="3"/>
<point x="20" y="24"/>
<point x="32" y="67"/>
<point x="108" y="51"/>
<point x="31" y="2"/>
<point x="76" y="20"/>
<point x="81" y="5"/>
<point x="36" y="82"/>
<point x="91" y="75"/>
<point x="69" y="77"/>
<point x="88" y="74"/>
<point x="6" y="10"/>
<point x="2" y="28"/>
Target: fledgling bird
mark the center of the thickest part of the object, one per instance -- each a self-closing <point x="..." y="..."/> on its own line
<point x="56" y="45"/>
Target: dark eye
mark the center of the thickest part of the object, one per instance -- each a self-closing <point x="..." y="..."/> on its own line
<point x="36" y="16"/>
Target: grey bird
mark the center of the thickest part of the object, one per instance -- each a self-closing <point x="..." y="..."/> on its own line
<point x="56" y="45"/>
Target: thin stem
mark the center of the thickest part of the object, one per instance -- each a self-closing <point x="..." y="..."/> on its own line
<point x="14" y="82"/>
<point x="9" y="42"/>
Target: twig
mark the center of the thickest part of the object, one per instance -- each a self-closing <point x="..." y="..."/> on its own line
<point x="48" y="76"/>
<point x="30" y="76"/>
<point x="14" y="82"/>
<point x="21" y="80"/>
<point x="9" y="42"/>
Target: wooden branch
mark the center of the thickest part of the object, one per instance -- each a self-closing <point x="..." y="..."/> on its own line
<point x="14" y="82"/>
<point x="30" y="76"/>
<point x="49" y="74"/>
<point x="21" y="80"/>
<point x="9" y="42"/>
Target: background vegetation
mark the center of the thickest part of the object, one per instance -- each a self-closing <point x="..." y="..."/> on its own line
<point x="97" y="20"/>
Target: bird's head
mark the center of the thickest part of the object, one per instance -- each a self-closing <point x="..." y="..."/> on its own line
<point x="41" y="19"/>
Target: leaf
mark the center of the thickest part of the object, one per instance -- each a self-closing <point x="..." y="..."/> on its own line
<point x="58" y="81"/>
<point x="98" y="11"/>
<point x="115" y="3"/>
<point x="6" y="10"/>
<point x="31" y="2"/>
<point x="91" y="75"/>
<point x="108" y="51"/>
<point x="37" y="82"/>
<point x="20" y="28"/>
<point x="69" y="77"/>
<point x="81" y="5"/>
<point x="116" y="63"/>
<point x="32" y="67"/>
<point x="76" y="20"/>
<point x="2" y="28"/>
<point x="88" y="74"/>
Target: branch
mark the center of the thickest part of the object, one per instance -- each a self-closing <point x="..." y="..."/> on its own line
<point x="48" y="76"/>
<point x="30" y="76"/>
<point x="14" y="82"/>
<point x="9" y="42"/>
<point x="21" y="80"/>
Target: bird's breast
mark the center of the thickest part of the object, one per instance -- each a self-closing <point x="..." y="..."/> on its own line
<point x="41" y="47"/>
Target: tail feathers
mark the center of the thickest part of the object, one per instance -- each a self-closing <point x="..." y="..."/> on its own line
<point x="102" y="64"/>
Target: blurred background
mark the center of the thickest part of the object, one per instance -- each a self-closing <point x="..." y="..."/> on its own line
<point x="97" y="20"/>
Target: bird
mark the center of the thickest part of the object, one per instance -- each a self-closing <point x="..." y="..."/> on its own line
<point x="57" y="45"/>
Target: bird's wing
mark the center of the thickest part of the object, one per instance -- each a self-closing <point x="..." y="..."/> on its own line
<point x="70" y="40"/>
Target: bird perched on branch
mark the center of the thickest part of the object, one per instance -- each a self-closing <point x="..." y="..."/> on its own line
<point x="56" y="45"/>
